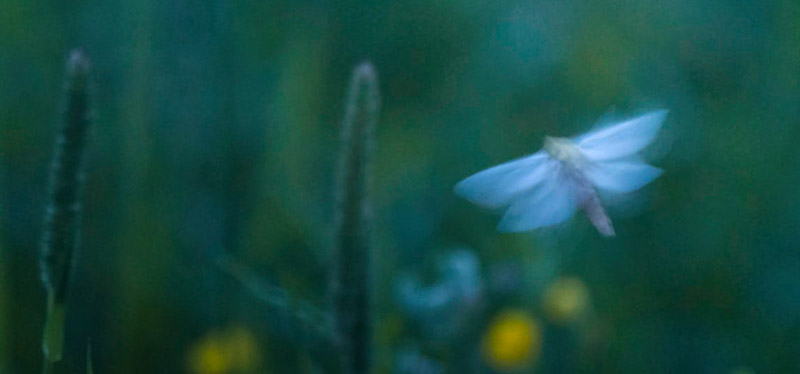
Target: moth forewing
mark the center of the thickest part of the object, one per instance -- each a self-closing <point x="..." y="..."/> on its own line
<point x="547" y="187"/>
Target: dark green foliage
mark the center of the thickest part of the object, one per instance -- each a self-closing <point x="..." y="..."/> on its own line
<point x="350" y="282"/>
<point x="217" y="129"/>
<point x="293" y="319"/>
<point x="62" y="217"/>
<point x="340" y="339"/>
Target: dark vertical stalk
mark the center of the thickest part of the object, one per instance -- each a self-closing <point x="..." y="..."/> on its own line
<point x="350" y="285"/>
<point x="5" y="344"/>
<point x="89" y="364"/>
<point x="142" y="206"/>
<point x="62" y="217"/>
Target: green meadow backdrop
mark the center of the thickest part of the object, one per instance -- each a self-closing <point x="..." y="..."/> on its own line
<point x="215" y="134"/>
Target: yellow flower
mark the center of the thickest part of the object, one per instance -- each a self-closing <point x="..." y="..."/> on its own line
<point x="242" y="350"/>
<point x="207" y="356"/>
<point x="565" y="300"/>
<point x="232" y="350"/>
<point x="513" y="341"/>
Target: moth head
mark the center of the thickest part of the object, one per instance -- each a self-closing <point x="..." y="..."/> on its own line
<point x="563" y="149"/>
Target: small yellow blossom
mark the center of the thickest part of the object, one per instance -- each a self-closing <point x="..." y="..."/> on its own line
<point x="242" y="350"/>
<point x="513" y="341"/>
<point x="232" y="350"/>
<point x="565" y="300"/>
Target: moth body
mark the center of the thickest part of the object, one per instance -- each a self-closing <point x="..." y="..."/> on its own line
<point x="571" y="169"/>
<point x="564" y="150"/>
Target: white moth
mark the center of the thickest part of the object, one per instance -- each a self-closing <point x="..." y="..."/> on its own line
<point x="547" y="187"/>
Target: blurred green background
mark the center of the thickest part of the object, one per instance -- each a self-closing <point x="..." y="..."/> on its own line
<point x="216" y="131"/>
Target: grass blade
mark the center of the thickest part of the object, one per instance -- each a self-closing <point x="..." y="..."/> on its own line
<point x="62" y="216"/>
<point x="350" y="283"/>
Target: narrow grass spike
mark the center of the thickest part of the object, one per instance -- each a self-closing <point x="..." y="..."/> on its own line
<point x="89" y="365"/>
<point x="351" y="278"/>
<point x="62" y="216"/>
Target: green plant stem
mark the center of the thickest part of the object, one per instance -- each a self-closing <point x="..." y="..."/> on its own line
<point x="294" y="319"/>
<point x="351" y="278"/>
<point x="62" y="216"/>
<point x="47" y="368"/>
<point x="89" y="365"/>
